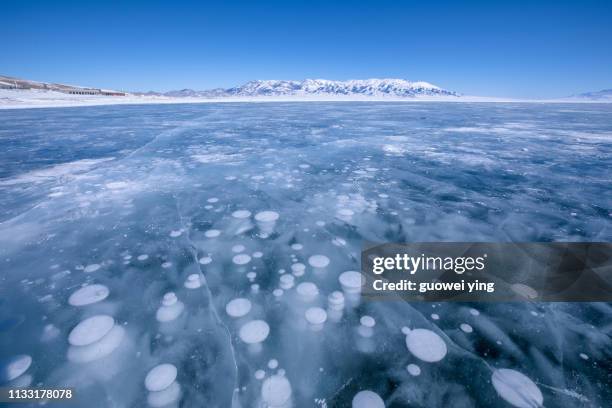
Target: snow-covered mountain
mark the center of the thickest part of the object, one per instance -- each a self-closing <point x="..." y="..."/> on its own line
<point x="398" y="88"/>
<point x="324" y="87"/>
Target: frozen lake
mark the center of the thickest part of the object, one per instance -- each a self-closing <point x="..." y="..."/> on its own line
<point x="190" y="255"/>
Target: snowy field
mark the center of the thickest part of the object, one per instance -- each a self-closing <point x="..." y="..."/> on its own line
<point x="196" y="255"/>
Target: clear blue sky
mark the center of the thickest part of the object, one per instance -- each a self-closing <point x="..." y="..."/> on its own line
<point x="494" y="47"/>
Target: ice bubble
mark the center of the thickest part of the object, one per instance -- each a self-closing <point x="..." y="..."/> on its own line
<point x="160" y="377"/>
<point x="238" y="307"/>
<point x="91" y="330"/>
<point x="351" y="281"/>
<point x="277" y="292"/>
<point x="406" y="330"/>
<point x="584" y="356"/>
<point x="170" y="309"/>
<point x="15" y="367"/>
<point x="88" y="295"/>
<point x="318" y="261"/>
<point x="266" y="221"/>
<point x="366" y="328"/>
<point x="193" y="281"/>
<point x="474" y="312"/>
<point x="241" y="214"/>
<point x="413" y="369"/>
<point x="276" y="392"/>
<point x="165" y="398"/>
<point x="212" y="233"/>
<point x="213" y="200"/>
<point x="143" y="257"/>
<point x="345" y="214"/>
<point x="238" y="248"/>
<point x="298" y="269"/>
<point x="251" y="276"/>
<point x="316" y="316"/>
<point x="466" y="327"/>
<point x="98" y="349"/>
<point x="287" y="281"/>
<point x="253" y="332"/>
<point x="320" y="223"/>
<point x="307" y="291"/>
<point x="516" y="388"/>
<point x="260" y="374"/>
<point x="297" y="247"/>
<point x="273" y="364"/>
<point x="335" y="300"/>
<point x="255" y="288"/>
<point x="367" y="399"/>
<point x="257" y="254"/>
<point x="176" y="233"/>
<point x="166" y="265"/>
<point x="205" y="260"/>
<point x="524" y="290"/>
<point x="426" y="345"/>
<point x="91" y="268"/>
<point x="241" y="259"/>
<point x="435" y="316"/>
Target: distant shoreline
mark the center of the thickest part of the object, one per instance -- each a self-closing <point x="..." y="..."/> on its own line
<point x="28" y="99"/>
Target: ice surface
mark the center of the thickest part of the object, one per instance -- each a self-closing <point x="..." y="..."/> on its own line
<point x="134" y="190"/>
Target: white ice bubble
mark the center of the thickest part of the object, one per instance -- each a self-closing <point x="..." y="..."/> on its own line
<point x="193" y="281"/>
<point x="315" y="315"/>
<point x="345" y="214"/>
<point x="255" y="331"/>
<point x="160" y="377"/>
<point x="15" y="367"/>
<point x="287" y="281"/>
<point x="241" y="259"/>
<point x="257" y="254"/>
<point x="88" y="295"/>
<point x="335" y="300"/>
<point x="524" y="290"/>
<point x="238" y="248"/>
<point x="166" y="265"/>
<point x="260" y="374"/>
<point x="297" y="247"/>
<point x="413" y="369"/>
<point x="276" y="391"/>
<point x="238" y="307"/>
<point x="466" y="328"/>
<point x="426" y="345"/>
<point x="351" y="281"/>
<point x="143" y="257"/>
<point x="435" y="316"/>
<point x="584" y="356"/>
<point x="205" y="260"/>
<point x="273" y="364"/>
<point x="318" y="261"/>
<point x="266" y="221"/>
<point x="212" y="233"/>
<point x="298" y="269"/>
<point x="367" y="321"/>
<point x="213" y="200"/>
<point x="165" y="398"/>
<point x="516" y="388"/>
<point x="176" y="233"/>
<point x="307" y="291"/>
<point x="367" y="399"/>
<point x="241" y="214"/>
<point x="91" y="330"/>
<point x="278" y="292"/>
<point x="101" y="348"/>
<point x="474" y="312"/>
<point x="91" y="268"/>
<point x="170" y="309"/>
